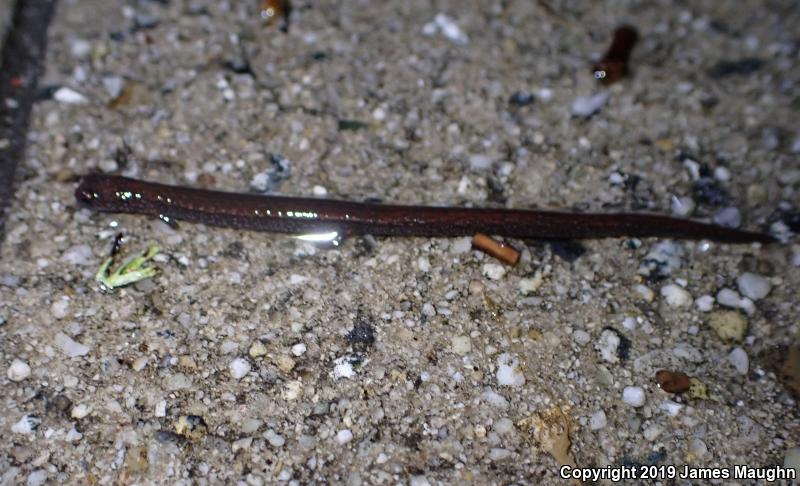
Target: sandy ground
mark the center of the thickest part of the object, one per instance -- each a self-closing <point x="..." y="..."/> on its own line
<point x="257" y="358"/>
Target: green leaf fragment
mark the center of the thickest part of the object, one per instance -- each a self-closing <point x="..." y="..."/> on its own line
<point x="130" y="272"/>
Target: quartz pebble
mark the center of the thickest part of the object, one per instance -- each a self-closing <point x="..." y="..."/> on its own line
<point x="586" y="106"/>
<point x="69" y="96"/>
<point x="494" y="271"/>
<point x="18" y="371"/>
<point x="80" y="411"/>
<point x="682" y="206"/>
<point x="69" y="346"/>
<point x="676" y="296"/>
<point x="508" y="372"/>
<point x="239" y="368"/>
<point x="728" y="217"/>
<point x="344" y="436"/>
<point x="274" y="439"/>
<point x="608" y="346"/>
<point x="299" y="349"/>
<point x="633" y="396"/>
<point x="753" y="286"/>
<point x="704" y="303"/>
<point x="738" y="358"/>
<point x="598" y="420"/>
<point x="26" y="425"/>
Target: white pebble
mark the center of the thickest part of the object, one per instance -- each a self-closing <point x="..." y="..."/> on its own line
<point x="531" y="285"/>
<point x="80" y="48"/>
<point x="239" y="368"/>
<point x="80" y="411"/>
<point x="60" y="308"/>
<point x="508" y="372"/>
<point x="672" y="408"/>
<point x="753" y="286"/>
<point x="633" y="396"/>
<point x="479" y="162"/>
<point x="503" y="426"/>
<point x="682" y="206"/>
<point x="274" y="438"/>
<point x="26" y="425"/>
<point x="728" y="217"/>
<point x="652" y="432"/>
<point x="299" y="349"/>
<point x="676" y="296"/>
<point x="738" y="358"/>
<point x="499" y="454"/>
<point x="73" y="435"/>
<point x="698" y="448"/>
<point x="161" y="408"/>
<point x="461" y="245"/>
<point x="645" y="292"/>
<point x="586" y="106"/>
<point x="598" y="420"/>
<point x="728" y="297"/>
<point x="69" y="96"/>
<point x="447" y="26"/>
<point x="704" y="303"/>
<point x="581" y="337"/>
<point x="342" y="368"/>
<point x="494" y="271"/>
<point x="18" y="371"/>
<point x="494" y="399"/>
<point x="69" y="346"/>
<point x="113" y="85"/>
<point x="344" y="436"/>
<point x="608" y="345"/>
<point x="37" y="478"/>
<point x="722" y="174"/>
<point x="423" y="264"/>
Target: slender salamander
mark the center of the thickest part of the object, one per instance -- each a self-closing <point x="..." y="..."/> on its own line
<point x="325" y="216"/>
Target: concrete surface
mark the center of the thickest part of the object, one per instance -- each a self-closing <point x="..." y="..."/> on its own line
<point x="234" y="363"/>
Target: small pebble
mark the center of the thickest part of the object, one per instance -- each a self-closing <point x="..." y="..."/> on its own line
<point x="586" y="106"/>
<point x="753" y="285"/>
<point x="461" y="345"/>
<point x="676" y="296"/>
<point x="531" y="285"/>
<point x="698" y="448"/>
<point x="508" y="372"/>
<point x="257" y="349"/>
<point x="26" y="425"/>
<point x="161" y="408"/>
<point x="343" y="368"/>
<point x="344" y="436"/>
<point x="274" y="438"/>
<point x="69" y="96"/>
<point x="704" y="303"/>
<point x="672" y="408"/>
<point x="581" y="337"/>
<point x="69" y="346"/>
<point x="598" y="420"/>
<point x="80" y="411"/>
<point x="299" y="349"/>
<point x="239" y="368"/>
<point x="18" y="371"/>
<point x="730" y="326"/>
<point x="652" y="432"/>
<point x="499" y="454"/>
<point x="682" y="206"/>
<point x="645" y="292"/>
<point x="728" y="217"/>
<point x="494" y="271"/>
<point x="738" y="358"/>
<point x="37" y="478"/>
<point x="608" y="346"/>
<point x="633" y="396"/>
